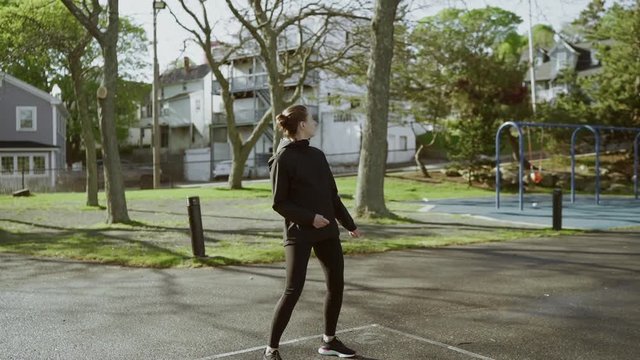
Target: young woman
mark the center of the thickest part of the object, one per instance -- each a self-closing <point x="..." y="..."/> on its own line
<point x="305" y="194"/>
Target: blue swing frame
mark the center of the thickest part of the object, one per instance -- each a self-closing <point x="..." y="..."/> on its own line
<point x="595" y="129"/>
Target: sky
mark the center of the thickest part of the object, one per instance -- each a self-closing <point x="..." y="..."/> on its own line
<point x="171" y="37"/>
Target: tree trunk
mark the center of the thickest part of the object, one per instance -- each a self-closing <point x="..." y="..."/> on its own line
<point x="114" y="185"/>
<point x="419" y="161"/>
<point x="277" y="103"/>
<point x="239" y="159"/>
<point x="86" y="125"/>
<point x="89" y="17"/>
<point x="370" y="185"/>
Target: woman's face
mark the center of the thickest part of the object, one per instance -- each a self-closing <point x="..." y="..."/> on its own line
<point x="307" y="129"/>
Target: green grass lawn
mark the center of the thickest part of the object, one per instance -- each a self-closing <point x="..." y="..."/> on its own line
<point x="140" y="244"/>
<point x="98" y="247"/>
<point x="396" y="189"/>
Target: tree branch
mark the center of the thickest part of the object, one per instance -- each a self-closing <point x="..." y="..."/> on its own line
<point x="260" y="127"/>
<point x="250" y="27"/>
<point x="88" y="19"/>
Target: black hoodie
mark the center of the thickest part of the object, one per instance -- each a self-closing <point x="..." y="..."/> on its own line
<point x="303" y="186"/>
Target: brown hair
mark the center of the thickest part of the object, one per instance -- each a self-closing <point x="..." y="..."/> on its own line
<point x="289" y="119"/>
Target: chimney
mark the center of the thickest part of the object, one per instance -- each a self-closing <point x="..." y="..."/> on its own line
<point x="187" y="65"/>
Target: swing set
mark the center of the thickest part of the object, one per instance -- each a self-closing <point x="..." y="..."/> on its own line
<point x="536" y="175"/>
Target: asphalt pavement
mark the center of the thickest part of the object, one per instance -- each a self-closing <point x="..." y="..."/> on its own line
<point x="572" y="297"/>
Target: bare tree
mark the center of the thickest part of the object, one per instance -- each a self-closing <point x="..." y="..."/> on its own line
<point x="202" y="34"/>
<point x="371" y="170"/>
<point x="88" y="13"/>
<point x="290" y="43"/>
<point x="417" y="157"/>
<point x="77" y="70"/>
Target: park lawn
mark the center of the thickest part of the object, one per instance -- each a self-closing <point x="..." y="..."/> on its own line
<point x="147" y="243"/>
<point x="92" y="245"/>
<point x="396" y="189"/>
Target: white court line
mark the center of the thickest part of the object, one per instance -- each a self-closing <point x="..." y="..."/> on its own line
<point x="220" y="356"/>
<point x="428" y="341"/>
<point x="437" y="343"/>
<point x="482" y="217"/>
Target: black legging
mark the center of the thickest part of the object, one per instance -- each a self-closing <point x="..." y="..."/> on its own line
<point x="329" y="252"/>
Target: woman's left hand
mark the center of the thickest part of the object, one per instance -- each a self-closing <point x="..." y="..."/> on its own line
<point x="355" y="233"/>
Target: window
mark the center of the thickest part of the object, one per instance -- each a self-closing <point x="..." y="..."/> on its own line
<point x="38" y="165"/>
<point x="26" y="118"/>
<point x="7" y="165"/>
<point x="164" y="136"/>
<point x="23" y="164"/>
<point x="30" y="164"/>
<point x="333" y="99"/>
<point x="355" y="103"/>
<point x="184" y="86"/>
<point x="220" y="135"/>
<point x="198" y="105"/>
<point x="561" y="60"/>
<point x="403" y="143"/>
<point x="343" y="117"/>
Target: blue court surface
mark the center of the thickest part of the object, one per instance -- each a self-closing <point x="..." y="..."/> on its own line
<point x="613" y="211"/>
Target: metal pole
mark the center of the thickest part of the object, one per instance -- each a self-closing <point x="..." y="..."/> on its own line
<point x="532" y="63"/>
<point x="498" y="174"/>
<point x="557" y="209"/>
<point x="597" y="134"/>
<point x="154" y="103"/>
<point x="195" y="224"/>
<point x="521" y="169"/>
<point x="573" y="165"/>
<point x="211" y="149"/>
<point x="521" y="165"/>
<point x="635" y="165"/>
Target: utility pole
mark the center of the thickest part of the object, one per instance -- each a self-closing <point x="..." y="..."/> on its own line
<point x="157" y="6"/>
<point x="532" y="63"/>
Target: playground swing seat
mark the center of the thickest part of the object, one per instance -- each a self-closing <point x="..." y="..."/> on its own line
<point x="535" y="175"/>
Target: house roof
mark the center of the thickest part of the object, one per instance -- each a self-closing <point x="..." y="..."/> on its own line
<point x="543" y="72"/>
<point x="524" y="55"/>
<point x="34" y="91"/>
<point x="589" y="72"/>
<point x="24" y="145"/>
<point x="180" y="75"/>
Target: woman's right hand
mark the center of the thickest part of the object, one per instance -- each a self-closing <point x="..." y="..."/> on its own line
<point x="320" y="221"/>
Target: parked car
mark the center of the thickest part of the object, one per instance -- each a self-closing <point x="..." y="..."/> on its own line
<point x="133" y="174"/>
<point x="223" y="169"/>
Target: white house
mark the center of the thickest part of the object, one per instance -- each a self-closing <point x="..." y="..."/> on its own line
<point x="192" y="120"/>
<point x="32" y="136"/>
<point x="333" y="101"/>
<point x="185" y="111"/>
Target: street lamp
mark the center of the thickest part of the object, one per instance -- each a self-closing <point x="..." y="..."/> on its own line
<point x="157" y="6"/>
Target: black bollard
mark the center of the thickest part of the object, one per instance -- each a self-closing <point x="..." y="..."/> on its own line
<point x="195" y="223"/>
<point x="557" y="209"/>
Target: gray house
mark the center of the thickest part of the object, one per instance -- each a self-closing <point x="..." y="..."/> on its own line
<point x="564" y="55"/>
<point x="32" y="136"/>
